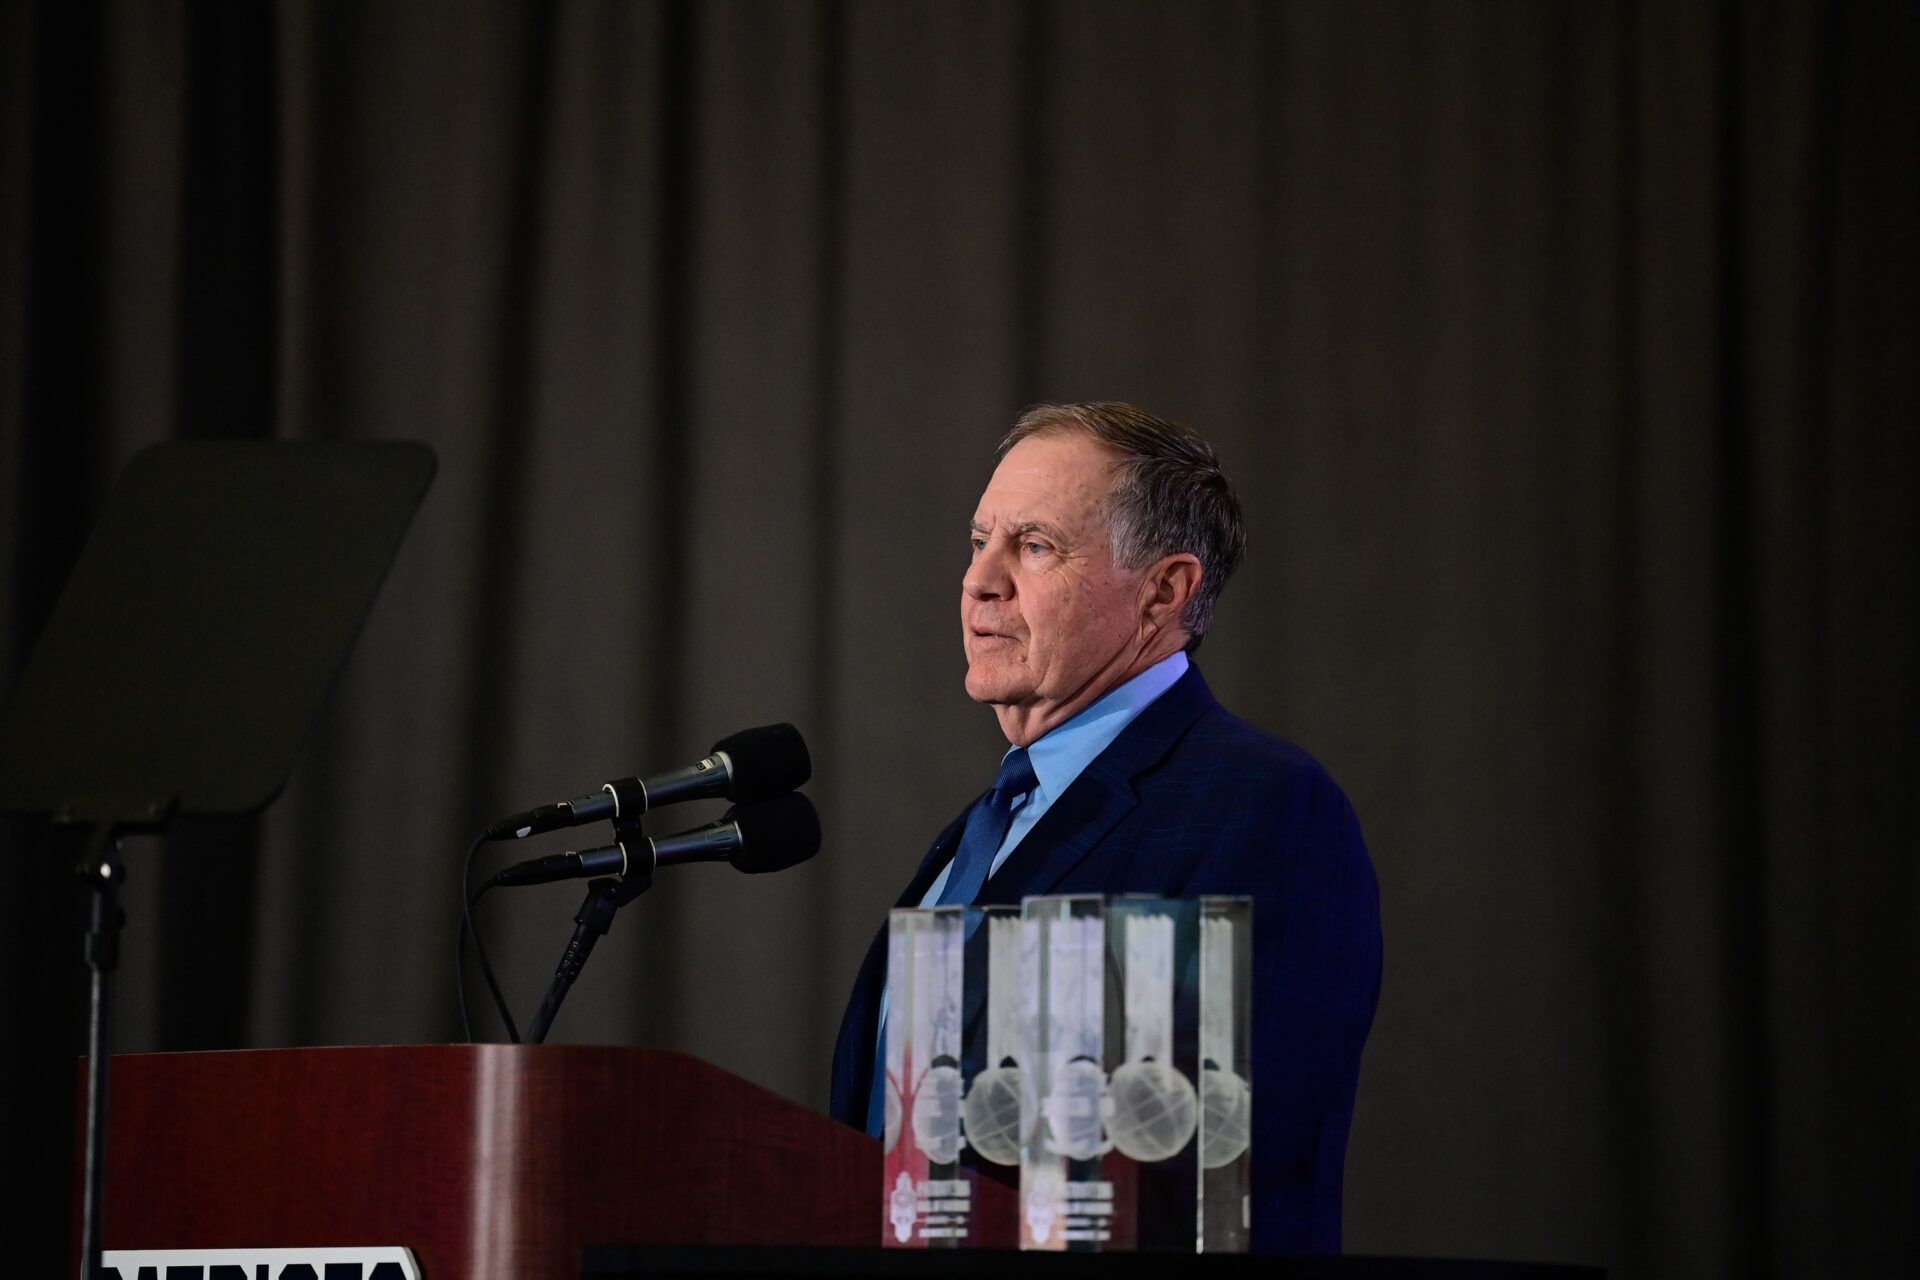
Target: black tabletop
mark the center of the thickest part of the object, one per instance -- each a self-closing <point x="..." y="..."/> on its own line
<point x="604" y="1262"/>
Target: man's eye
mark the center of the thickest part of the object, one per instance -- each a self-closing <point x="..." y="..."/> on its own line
<point x="1038" y="548"/>
<point x="978" y="544"/>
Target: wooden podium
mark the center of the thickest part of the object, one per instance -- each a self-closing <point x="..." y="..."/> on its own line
<point x="509" y="1161"/>
<point x="485" y="1160"/>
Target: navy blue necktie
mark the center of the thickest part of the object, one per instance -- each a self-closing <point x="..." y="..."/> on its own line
<point x="986" y="829"/>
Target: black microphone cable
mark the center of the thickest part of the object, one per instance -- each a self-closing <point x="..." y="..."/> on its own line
<point x="755" y="836"/>
<point x="469" y="898"/>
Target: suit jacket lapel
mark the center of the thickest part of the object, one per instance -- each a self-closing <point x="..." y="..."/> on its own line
<point x="1099" y="797"/>
<point x="1060" y="841"/>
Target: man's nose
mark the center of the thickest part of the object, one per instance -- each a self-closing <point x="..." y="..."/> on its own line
<point x="987" y="577"/>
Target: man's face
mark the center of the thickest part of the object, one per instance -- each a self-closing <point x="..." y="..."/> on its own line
<point x="1044" y="610"/>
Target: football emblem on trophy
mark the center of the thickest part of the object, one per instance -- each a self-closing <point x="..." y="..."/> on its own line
<point x="1227" y="1102"/>
<point x="1155" y="1110"/>
<point x="936" y="1113"/>
<point x="992" y="1113"/>
<point x="1077" y="1109"/>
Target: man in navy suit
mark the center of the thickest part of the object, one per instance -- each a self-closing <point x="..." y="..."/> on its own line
<point x="1100" y="545"/>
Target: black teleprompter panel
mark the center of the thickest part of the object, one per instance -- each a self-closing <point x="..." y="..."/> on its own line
<point x="209" y="613"/>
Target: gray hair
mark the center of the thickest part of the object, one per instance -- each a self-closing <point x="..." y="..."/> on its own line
<point x="1169" y="497"/>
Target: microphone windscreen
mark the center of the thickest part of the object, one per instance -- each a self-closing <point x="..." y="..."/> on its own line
<point x="768" y="761"/>
<point x="775" y="834"/>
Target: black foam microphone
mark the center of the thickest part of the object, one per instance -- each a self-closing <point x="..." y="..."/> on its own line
<point x="765" y="835"/>
<point x="754" y="764"/>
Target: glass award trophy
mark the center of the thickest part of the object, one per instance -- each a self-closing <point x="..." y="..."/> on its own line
<point x="925" y="1199"/>
<point x="1226" y="1073"/>
<point x="1115" y="995"/>
<point x="993" y="1126"/>
<point x="953" y="1101"/>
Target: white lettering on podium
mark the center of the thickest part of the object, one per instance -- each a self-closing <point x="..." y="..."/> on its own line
<point x="378" y="1262"/>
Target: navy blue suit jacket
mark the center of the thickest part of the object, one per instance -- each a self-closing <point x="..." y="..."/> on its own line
<point x="1191" y="800"/>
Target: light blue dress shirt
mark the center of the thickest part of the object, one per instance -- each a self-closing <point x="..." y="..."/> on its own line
<point x="1059" y="756"/>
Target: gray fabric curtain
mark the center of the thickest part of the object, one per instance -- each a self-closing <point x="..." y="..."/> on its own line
<point x="1563" y="356"/>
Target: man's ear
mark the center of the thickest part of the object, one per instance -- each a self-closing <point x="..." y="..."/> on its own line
<point x="1169" y="584"/>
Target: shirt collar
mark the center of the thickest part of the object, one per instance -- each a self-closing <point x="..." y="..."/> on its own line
<point x="1064" y="751"/>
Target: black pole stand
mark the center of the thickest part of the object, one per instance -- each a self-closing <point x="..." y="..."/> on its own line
<point x="102" y="872"/>
<point x="604" y="897"/>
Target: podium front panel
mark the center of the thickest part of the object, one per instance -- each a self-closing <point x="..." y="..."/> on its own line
<point x="484" y="1160"/>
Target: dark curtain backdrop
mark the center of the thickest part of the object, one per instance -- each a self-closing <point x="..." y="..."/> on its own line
<point x="1564" y="356"/>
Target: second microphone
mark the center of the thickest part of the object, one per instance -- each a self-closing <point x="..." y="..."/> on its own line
<point x="766" y="835"/>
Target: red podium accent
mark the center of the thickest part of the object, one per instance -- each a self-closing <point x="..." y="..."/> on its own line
<point x="485" y="1160"/>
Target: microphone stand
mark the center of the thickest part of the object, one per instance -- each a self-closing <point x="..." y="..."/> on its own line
<point x="604" y="897"/>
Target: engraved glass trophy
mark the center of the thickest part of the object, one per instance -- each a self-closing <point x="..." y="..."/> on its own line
<point x="925" y="1200"/>
<point x="1074" y="1191"/>
<point x="1226" y="1073"/>
<point x="991" y="1112"/>
<point x="1112" y="1049"/>
<point x="993" y="1126"/>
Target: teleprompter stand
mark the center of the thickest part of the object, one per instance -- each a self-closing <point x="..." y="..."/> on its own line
<point x="102" y="872"/>
<point x="209" y="613"/>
